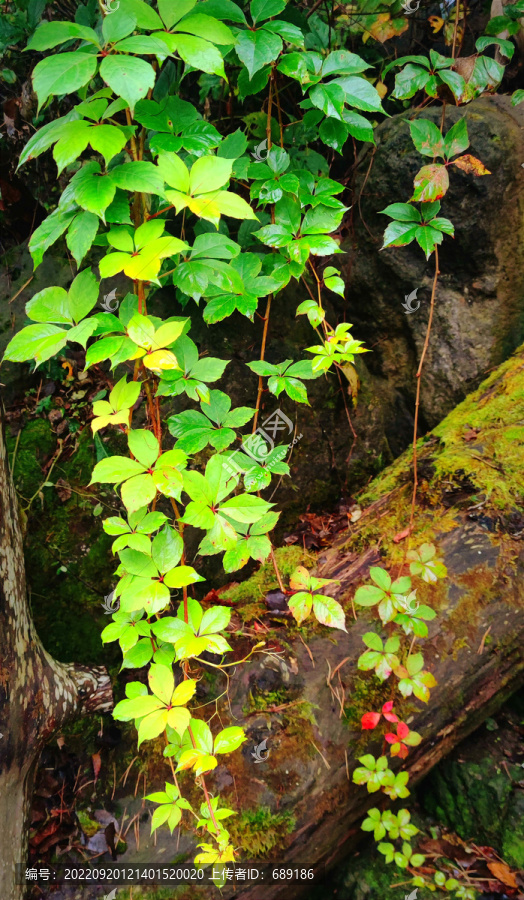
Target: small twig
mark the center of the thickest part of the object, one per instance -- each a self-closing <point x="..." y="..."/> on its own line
<point x="307" y="648"/>
<point x="29" y="280"/>
<point x="483" y="641"/>
<point x="320" y="754"/>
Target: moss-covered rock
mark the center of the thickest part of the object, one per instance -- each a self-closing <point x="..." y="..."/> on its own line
<point x="477" y="791"/>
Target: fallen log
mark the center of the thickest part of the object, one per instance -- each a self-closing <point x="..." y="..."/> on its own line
<point x="307" y="702"/>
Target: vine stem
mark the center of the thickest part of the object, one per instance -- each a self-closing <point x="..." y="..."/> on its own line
<point x="260" y="389"/>
<point x="418" y="377"/>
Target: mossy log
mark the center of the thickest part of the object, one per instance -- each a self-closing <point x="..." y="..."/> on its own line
<point x="307" y="701"/>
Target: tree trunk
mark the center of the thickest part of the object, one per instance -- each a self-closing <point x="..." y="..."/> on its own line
<point x="37" y="694"/>
<point x="470" y="505"/>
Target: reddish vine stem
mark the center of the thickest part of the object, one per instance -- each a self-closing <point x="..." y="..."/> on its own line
<point x="270" y="296"/>
<point x="417" y="400"/>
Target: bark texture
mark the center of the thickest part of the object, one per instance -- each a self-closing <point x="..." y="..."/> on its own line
<point x="37" y="694"/>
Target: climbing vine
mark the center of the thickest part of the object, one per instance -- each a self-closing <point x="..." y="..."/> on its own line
<point x="158" y="193"/>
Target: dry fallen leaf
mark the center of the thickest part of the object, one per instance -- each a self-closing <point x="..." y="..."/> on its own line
<point x="503" y="872"/>
<point x="471" y="434"/>
<point x="401" y="535"/>
<point x="97" y="764"/>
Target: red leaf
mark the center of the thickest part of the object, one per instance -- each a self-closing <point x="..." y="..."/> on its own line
<point x="402" y="751"/>
<point x="402" y="730"/>
<point x="370" y="720"/>
<point x="386" y="712"/>
<point x="471" y="165"/>
<point x="391" y="738"/>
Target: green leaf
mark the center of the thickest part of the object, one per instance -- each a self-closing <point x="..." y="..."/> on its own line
<point x="455" y="82"/>
<point x="167" y="549"/>
<point x="257" y="48"/>
<point x="342" y="62"/>
<point x="334" y="133"/>
<point x="140" y="176"/>
<point x="456" y="140"/>
<point x="38" y="342"/>
<point x="48" y="232"/>
<point x="300" y="605"/>
<point x="107" y="140"/>
<point x="174" y="171"/>
<point x="114" y="469"/>
<point x="92" y="190"/>
<point x="83" y="294"/>
<point x="63" y="73"/>
<point x="368" y="595"/>
<point x="265" y="9"/>
<point x="506" y="47"/>
<point x="74" y="138"/>
<point x="81" y="234"/>
<point x="50" y="34"/>
<point x="398" y="234"/>
<point x="359" y="93"/>
<point x="118" y="25"/>
<point x="206" y="27"/>
<point x="229" y="739"/>
<point x="196" y="52"/>
<point x="410" y="80"/>
<point x="402" y="212"/>
<point x="329" y="612"/>
<point x="215" y="619"/>
<point x="50" y="305"/>
<point x="427" y="137"/>
<point x="381" y="577"/>
<point x="127" y="76"/>
<point x="172" y="12"/>
<point x="288" y="32"/>
<point x="245" y="508"/>
<point x="145" y="16"/>
<point x="138" y="491"/>
<point x="144" y="446"/>
<point x="209" y="173"/>
<point x="329" y="98"/>
<point x="45" y="137"/>
<point x="358" y="126"/>
<point x="143" y="44"/>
